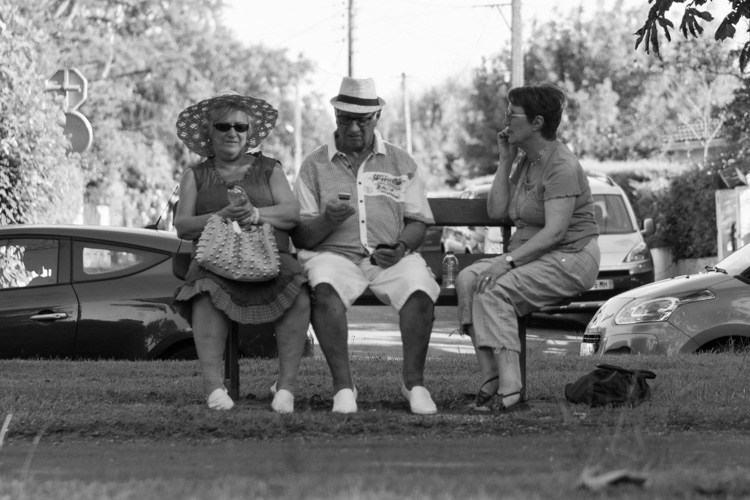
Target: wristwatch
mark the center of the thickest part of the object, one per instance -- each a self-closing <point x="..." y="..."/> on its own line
<point x="509" y="260"/>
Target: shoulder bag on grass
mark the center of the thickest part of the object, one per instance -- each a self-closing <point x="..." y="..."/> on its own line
<point x="611" y="385"/>
<point x="248" y="254"/>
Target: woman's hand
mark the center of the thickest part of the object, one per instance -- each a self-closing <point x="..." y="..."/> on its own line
<point x="487" y="279"/>
<point x="238" y="214"/>
<point x="507" y="152"/>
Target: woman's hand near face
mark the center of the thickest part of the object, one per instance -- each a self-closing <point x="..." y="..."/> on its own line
<point x="507" y="151"/>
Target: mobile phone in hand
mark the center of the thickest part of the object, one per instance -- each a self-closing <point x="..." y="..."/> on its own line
<point x="345" y="197"/>
<point x="382" y="245"/>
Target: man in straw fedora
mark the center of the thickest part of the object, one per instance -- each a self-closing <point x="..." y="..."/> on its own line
<point x="363" y="214"/>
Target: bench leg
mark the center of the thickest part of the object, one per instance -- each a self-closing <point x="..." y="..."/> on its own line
<point x="232" y="362"/>
<point x="522" y="320"/>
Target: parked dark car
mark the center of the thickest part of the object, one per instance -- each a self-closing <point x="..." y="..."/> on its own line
<point x="686" y="314"/>
<point x="97" y="292"/>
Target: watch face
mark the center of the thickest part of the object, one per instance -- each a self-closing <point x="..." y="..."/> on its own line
<point x="508" y="258"/>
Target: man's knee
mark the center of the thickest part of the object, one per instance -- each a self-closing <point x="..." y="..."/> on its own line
<point x="324" y="295"/>
<point x="419" y="303"/>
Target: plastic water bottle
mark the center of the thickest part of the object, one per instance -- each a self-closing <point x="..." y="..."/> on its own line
<point x="450" y="270"/>
<point x="237" y="196"/>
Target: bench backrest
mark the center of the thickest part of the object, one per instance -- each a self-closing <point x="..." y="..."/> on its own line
<point x="455" y="212"/>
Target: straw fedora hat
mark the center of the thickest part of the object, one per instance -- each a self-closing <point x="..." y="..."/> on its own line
<point x="357" y="95"/>
<point x="192" y="124"/>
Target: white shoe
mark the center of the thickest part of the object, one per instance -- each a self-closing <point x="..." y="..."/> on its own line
<point x="419" y="400"/>
<point x="220" y="400"/>
<point x="283" y="402"/>
<point x="345" y="401"/>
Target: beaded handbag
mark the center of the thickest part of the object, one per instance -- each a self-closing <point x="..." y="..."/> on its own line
<point x="248" y="254"/>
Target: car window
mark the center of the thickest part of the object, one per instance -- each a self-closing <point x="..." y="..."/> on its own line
<point x="96" y="261"/>
<point x="28" y="262"/>
<point x="612" y="214"/>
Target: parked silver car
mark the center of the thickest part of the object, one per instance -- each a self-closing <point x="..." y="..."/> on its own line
<point x="686" y="314"/>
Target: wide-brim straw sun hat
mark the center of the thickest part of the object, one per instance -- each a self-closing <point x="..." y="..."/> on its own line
<point x="192" y="124"/>
<point x="357" y="95"/>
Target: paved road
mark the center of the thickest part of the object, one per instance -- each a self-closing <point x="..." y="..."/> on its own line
<point x="373" y="330"/>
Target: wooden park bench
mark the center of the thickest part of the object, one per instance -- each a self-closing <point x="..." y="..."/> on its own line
<point x="451" y="212"/>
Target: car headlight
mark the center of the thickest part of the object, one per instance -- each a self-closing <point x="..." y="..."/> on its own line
<point x="655" y="310"/>
<point x="638" y="253"/>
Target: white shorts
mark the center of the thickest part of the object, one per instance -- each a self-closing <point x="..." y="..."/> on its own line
<point x="392" y="286"/>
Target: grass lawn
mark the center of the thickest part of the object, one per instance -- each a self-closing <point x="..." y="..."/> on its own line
<point x="62" y="418"/>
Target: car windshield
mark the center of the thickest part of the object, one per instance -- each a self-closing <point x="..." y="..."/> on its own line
<point x="612" y="214"/>
<point x="737" y="263"/>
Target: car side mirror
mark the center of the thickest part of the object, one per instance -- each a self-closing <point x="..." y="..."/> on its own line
<point x="648" y="227"/>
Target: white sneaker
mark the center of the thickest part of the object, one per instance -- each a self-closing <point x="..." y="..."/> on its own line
<point x="283" y="402"/>
<point x="220" y="400"/>
<point x="419" y="400"/>
<point x="345" y="401"/>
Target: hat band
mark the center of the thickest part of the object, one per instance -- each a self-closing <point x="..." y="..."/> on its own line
<point x="357" y="100"/>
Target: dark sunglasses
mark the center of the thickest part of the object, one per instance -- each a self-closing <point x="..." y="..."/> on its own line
<point x="362" y="121"/>
<point x="239" y="127"/>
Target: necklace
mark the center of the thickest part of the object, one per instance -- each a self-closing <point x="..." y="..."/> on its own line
<point x="535" y="163"/>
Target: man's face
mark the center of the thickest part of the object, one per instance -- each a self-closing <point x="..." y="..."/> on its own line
<point x="356" y="130"/>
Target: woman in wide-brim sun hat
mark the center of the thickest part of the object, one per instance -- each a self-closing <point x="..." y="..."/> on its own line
<point x="193" y="124"/>
<point x="226" y="129"/>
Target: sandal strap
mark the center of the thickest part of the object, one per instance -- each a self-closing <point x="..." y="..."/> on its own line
<point x="496" y="377"/>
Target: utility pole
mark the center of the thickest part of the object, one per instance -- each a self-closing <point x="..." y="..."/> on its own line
<point x="407" y="113"/>
<point x="516" y="39"/>
<point x="297" y="131"/>
<point x="350" y="36"/>
<point x="516" y="46"/>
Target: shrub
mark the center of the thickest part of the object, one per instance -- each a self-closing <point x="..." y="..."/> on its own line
<point x="680" y="199"/>
<point x="37" y="177"/>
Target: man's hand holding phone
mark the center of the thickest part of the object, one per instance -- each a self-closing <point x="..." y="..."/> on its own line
<point x="337" y="212"/>
<point x="386" y="256"/>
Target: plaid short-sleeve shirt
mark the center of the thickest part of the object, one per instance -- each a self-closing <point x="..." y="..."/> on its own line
<point x="386" y="190"/>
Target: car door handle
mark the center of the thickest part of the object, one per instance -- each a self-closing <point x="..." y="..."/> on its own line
<point x="49" y="316"/>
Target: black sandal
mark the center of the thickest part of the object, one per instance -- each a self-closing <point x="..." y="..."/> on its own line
<point x="514" y="405"/>
<point x="482" y="397"/>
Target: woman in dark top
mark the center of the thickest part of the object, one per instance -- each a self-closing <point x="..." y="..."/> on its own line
<point x="223" y="129"/>
<point x="553" y="253"/>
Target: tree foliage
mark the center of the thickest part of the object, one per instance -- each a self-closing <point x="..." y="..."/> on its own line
<point x="145" y="61"/>
<point x="685" y="214"/>
<point x="38" y="181"/>
<point x="622" y="105"/>
<point x="691" y="24"/>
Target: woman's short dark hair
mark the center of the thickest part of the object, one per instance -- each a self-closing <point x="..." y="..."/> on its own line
<point x="541" y="99"/>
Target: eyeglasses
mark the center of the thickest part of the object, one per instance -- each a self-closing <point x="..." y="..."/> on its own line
<point x="509" y="116"/>
<point x="239" y="127"/>
<point x="362" y="121"/>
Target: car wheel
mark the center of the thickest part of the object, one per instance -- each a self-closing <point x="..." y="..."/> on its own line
<point x="727" y="344"/>
<point x="186" y="352"/>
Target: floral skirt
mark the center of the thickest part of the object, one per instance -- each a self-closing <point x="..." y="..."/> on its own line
<point x="243" y="302"/>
